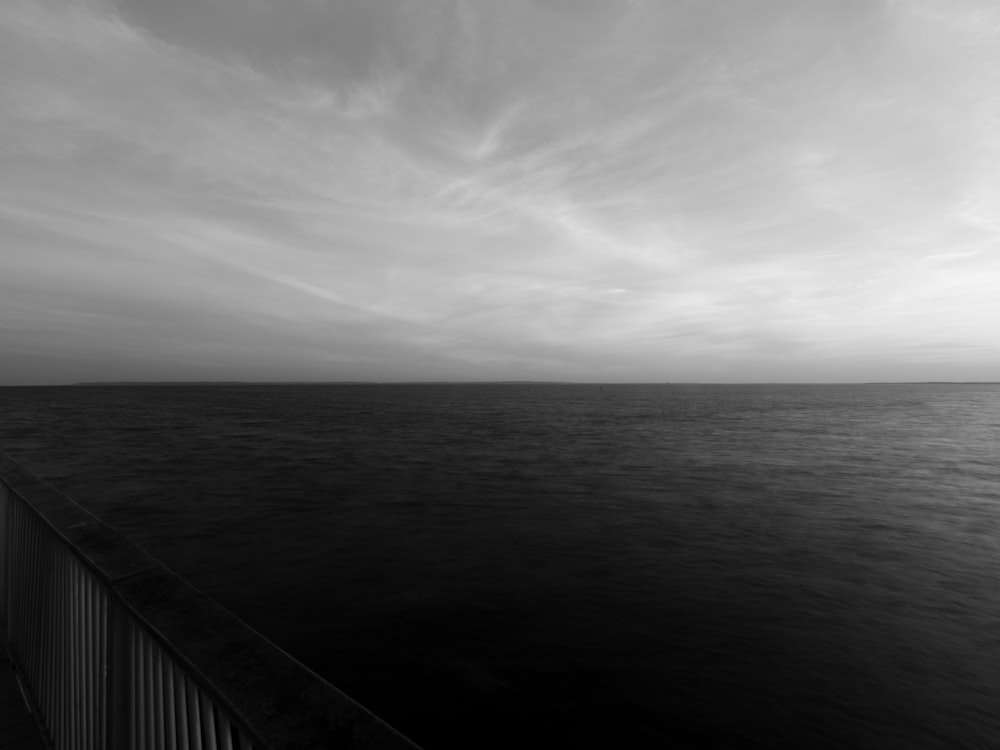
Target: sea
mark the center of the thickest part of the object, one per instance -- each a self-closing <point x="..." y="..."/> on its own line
<point x="577" y="565"/>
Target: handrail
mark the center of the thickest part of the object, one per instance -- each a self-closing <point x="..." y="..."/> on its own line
<point x="118" y="653"/>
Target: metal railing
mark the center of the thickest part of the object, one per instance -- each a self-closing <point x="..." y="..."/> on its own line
<point x="117" y="653"/>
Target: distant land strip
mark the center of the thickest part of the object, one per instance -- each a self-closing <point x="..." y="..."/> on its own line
<point x="336" y="382"/>
<point x="499" y="382"/>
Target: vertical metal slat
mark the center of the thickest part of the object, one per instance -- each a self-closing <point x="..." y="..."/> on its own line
<point x="78" y="653"/>
<point x="65" y="671"/>
<point x="208" y="730"/>
<point x="158" y="693"/>
<point x="138" y="698"/>
<point x="169" y="709"/>
<point x="194" y="715"/>
<point x="180" y="709"/>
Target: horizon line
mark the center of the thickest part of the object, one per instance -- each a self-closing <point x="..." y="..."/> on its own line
<point x="120" y="383"/>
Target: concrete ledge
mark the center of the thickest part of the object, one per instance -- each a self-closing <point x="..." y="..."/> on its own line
<point x="111" y="556"/>
<point x="277" y="698"/>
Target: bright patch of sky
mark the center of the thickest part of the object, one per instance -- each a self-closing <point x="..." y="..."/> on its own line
<point x="597" y="190"/>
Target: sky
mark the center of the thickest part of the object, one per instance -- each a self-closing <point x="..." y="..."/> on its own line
<point x="586" y="190"/>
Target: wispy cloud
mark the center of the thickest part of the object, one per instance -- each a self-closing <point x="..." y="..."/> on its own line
<point x="498" y="190"/>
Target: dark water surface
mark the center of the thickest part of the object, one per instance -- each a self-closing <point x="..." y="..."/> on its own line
<point x="626" y="567"/>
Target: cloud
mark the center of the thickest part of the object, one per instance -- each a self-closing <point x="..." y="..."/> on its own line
<point x="488" y="187"/>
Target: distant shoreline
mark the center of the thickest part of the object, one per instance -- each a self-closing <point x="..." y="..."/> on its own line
<point x="341" y="382"/>
<point x="494" y="382"/>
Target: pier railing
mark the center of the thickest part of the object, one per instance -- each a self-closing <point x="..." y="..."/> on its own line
<point x="116" y="652"/>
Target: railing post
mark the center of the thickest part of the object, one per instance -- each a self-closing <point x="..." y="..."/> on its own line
<point x="119" y="717"/>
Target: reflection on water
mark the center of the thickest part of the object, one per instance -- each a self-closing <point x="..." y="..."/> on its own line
<point x="632" y="566"/>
